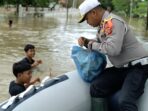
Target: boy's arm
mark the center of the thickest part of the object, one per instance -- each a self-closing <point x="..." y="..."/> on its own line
<point x="36" y="63"/>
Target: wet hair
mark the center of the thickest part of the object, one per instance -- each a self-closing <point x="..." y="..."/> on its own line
<point x="20" y="67"/>
<point x="29" y="46"/>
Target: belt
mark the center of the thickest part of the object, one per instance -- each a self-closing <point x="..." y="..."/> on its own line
<point x="142" y="61"/>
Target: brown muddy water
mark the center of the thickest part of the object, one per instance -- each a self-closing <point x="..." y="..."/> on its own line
<point x="52" y="37"/>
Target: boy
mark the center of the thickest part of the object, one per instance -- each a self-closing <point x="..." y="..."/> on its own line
<point x="10" y="23"/>
<point x="23" y="74"/>
<point x="30" y="53"/>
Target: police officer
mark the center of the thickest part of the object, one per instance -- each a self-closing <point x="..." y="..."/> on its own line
<point x="127" y="55"/>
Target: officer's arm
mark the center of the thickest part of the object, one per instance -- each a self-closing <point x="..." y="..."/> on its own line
<point x="114" y="41"/>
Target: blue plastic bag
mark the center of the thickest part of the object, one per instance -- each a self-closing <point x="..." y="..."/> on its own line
<point x="89" y="63"/>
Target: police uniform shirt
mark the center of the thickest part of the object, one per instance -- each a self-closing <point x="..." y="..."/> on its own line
<point x="117" y="41"/>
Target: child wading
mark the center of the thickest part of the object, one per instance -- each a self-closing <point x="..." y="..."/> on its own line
<point x="22" y="72"/>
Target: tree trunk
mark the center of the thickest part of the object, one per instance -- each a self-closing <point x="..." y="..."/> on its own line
<point x="131" y="8"/>
<point x="26" y="7"/>
<point x="67" y="11"/>
<point x="147" y="17"/>
<point x="17" y="7"/>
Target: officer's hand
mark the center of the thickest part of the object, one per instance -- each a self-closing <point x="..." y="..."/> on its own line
<point x="81" y="41"/>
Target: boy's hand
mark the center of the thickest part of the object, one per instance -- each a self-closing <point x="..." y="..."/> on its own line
<point x="35" y="80"/>
<point x="39" y="61"/>
<point x="32" y="82"/>
<point x="36" y="63"/>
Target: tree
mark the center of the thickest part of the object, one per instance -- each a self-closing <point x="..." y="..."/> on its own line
<point x="27" y="3"/>
<point x="17" y="6"/>
<point x="122" y="5"/>
<point x="106" y="3"/>
<point x="1" y="2"/>
<point x="42" y="3"/>
<point x="141" y="9"/>
<point x="147" y="17"/>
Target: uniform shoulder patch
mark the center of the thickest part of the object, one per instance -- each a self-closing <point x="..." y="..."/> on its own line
<point x="108" y="26"/>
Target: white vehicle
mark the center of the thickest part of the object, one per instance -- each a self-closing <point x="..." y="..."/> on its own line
<point x="67" y="92"/>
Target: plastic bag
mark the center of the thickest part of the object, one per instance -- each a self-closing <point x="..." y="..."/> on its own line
<point x="89" y="63"/>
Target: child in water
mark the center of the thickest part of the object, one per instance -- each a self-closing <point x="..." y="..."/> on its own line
<point x="30" y="53"/>
<point x="22" y="72"/>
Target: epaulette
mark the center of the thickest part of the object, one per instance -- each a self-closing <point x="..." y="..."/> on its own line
<point x="107" y="19"/>
<point x="107" y="25"/>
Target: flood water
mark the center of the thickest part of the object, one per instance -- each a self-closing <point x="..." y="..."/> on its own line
<point x="53" y="39"/>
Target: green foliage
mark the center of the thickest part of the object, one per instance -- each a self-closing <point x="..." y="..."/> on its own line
<point x="42" y="3"/>
<point x="106" y="3"/>
<point x="122" y="5"/>
<point x="141" y="9"/>
<point x="1" y="2"/>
